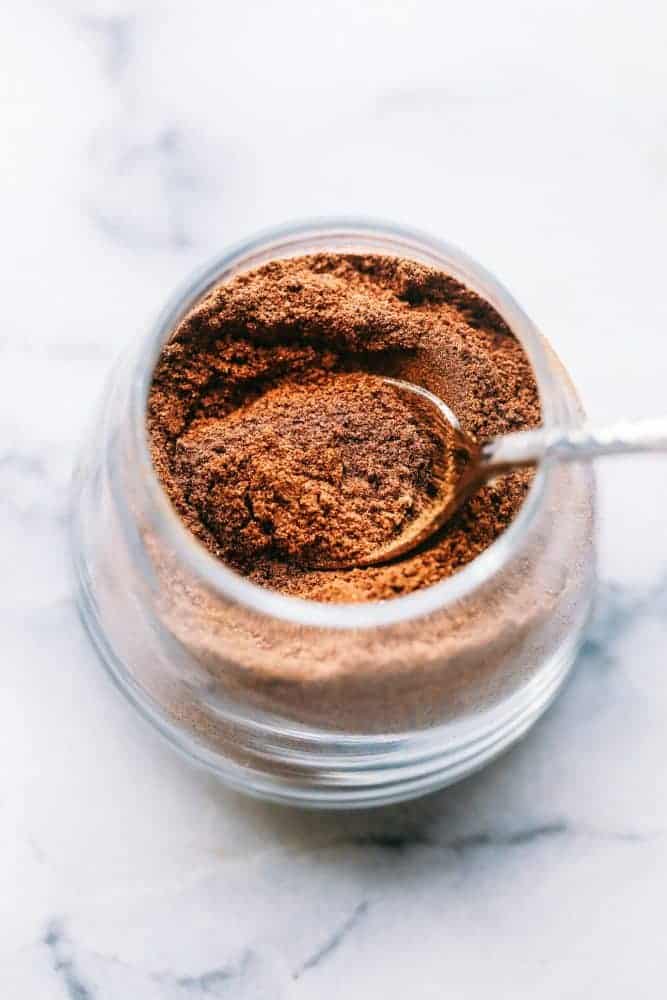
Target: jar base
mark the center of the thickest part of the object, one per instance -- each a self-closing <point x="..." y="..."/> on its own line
<point x="320" y="769"/>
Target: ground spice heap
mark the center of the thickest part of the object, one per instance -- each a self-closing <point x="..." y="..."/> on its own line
<point x="281" y="449"/>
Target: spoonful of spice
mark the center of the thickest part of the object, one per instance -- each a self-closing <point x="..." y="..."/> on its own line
<point x="462" y="465"/>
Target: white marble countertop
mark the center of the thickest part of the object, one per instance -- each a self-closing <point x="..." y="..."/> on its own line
<point x="138" y="139"/>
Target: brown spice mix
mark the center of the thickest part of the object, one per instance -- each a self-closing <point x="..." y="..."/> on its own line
<point x="279" y="448"/>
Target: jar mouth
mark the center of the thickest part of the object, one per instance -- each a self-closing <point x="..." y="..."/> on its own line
<point x="295" y="239"/>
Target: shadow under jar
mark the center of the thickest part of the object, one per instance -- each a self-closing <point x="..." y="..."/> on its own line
<point x="317" y="704"/>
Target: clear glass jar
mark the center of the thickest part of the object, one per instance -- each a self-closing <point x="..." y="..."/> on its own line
<point x="422" y="690"/>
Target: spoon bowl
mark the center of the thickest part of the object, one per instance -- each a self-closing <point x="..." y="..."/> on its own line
<point x="462" y="465"/>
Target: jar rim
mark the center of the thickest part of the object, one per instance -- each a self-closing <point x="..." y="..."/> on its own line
<point x="344" y="235"/>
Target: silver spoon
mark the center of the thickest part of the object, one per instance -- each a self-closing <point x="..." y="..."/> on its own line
<point x="487" y="460"/>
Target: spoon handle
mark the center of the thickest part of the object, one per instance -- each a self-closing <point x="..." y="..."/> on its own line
<point x="526" y="448"/>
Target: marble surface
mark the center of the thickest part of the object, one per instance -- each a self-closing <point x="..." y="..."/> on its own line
<point x="141" y="137"/>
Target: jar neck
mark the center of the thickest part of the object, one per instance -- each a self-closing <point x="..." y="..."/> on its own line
<point x="337" y="235"/>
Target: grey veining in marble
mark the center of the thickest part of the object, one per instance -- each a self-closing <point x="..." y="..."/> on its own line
<point x="140" y="138"/>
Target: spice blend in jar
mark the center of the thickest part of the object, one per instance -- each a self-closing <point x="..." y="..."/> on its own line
<point x="280" y="448"/>
<point x="252" y="442"/>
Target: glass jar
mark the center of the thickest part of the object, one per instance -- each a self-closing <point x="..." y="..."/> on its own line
<point x="422" y="690"/>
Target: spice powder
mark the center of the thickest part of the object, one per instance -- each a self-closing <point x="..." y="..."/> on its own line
<point x="280" y="448"/>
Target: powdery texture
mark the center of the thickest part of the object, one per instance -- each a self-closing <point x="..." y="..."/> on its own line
<point x="278" y="447"/>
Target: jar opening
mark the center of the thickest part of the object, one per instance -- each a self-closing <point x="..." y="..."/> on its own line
<point x="292" y="240"/>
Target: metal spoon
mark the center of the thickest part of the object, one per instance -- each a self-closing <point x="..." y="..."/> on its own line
<point x="485" y="461"/>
